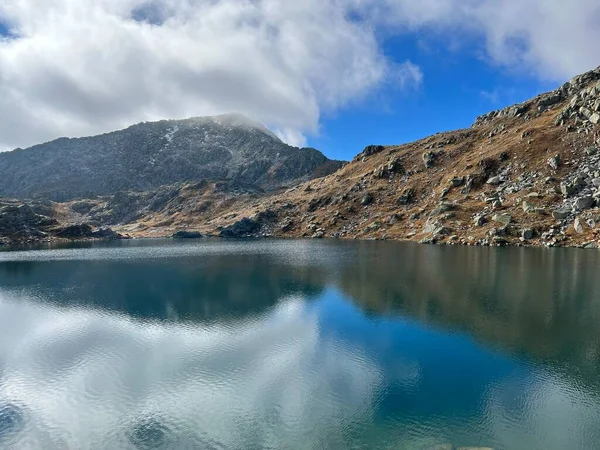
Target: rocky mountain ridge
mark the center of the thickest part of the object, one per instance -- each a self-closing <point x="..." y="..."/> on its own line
<point x="525" y="175"/>
<point x="528" y="175"/>
<point x="152" y="154"/>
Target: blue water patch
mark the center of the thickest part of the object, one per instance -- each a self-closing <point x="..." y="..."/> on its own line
<point x="12" y="420"/>
<point x="429" y="372"/>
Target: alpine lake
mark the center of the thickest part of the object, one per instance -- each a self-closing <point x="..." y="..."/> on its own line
<point x="298" y="344"/>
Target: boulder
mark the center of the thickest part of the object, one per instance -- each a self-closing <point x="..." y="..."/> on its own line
<point x="561" y="214"/>
<point x="527" y="207"/>
<point x="429" y="159"/>
<point x="407" y="196"/>
<point x="185" y="234"/>
<point x="527" y="234"/>
<point x="77" y="231"/>
<point x="443" y="207"/>
<point x="367" y="199"/>
<point x="442" y="231"/>
<point x="457" y="181"/>
<point x="594" y="118"/>
<point x="584" y="202"/>
<point x="554" y="161"/>
<point x="494" y="181"/>
<point x="499" y="240"/>
<point x="503" y="218"/>
<point x="242" y="228"/>
<point x="578" y="226"/>
<point x="372" y="149"/>
<point x="480" y="220"/>
<point x="567" y="189"/>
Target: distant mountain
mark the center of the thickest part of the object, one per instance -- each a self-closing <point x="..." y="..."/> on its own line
<point x="152" y="154"/>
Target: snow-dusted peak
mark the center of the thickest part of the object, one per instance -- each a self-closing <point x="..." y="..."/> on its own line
<point x="237" y="120"/>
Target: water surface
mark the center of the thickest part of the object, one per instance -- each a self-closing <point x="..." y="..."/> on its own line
<point x="298" y="345"/>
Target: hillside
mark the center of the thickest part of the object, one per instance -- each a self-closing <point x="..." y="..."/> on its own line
<point x="525" y="175"/>
<point x="528" y="174"/>
<point x="149" y="155"/>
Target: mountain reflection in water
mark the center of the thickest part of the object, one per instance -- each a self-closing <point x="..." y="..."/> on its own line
<point x="298" y="344"/>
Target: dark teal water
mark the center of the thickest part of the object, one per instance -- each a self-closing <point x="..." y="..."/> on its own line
<point x="298" y="345"/>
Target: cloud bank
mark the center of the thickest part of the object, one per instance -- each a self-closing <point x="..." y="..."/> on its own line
<point x="77" y="67"/>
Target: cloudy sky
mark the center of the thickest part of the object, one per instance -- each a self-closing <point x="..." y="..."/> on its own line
<point x="334" y="74"/>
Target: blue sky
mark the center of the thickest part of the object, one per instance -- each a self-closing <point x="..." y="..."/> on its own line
<point x="333" y="74"/>
<point x="457" y="86"/>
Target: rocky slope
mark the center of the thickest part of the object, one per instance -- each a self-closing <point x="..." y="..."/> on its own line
<point x="526" y="175"/>
<point x="149" y="155"/>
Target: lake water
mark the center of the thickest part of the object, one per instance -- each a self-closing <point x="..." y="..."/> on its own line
<point x="298" y="345"/>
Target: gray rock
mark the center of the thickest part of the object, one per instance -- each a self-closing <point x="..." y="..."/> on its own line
<point x="584" y="202"/>
<point x="578" y="226"/>
<point x="480" y="220"/>
<point x="494" y="181"/>
<point x="567" y="189"/>
<point x="502" y="218"/>
<point x="430" y="227"/>
<point x="457" y="181"/>
<point x="442" y="231"/>
<point x="585" y="112"/>
<point x="527" y="207"/>
<point x="527" y="234"/>
<point x="594" y="118"/>
<point x="554" y="161"/>
<point x="429" y="159"/>
<point x="408" y="196"/>
<point x="499" y="240"/>
<point x="590" y="245"/>
<point x="367" y="199"/>
<point x="184" y="234"/>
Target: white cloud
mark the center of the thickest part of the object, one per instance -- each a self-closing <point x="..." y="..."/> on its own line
<point x="83" y="66"/>
<point x="76" y="67"/>
<point x="92" y="377"/>
<point x="551" y="39"/>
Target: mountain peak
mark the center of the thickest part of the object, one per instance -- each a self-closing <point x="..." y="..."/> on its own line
<point x="152" y="154"/>
<point x="237" y="120"/>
